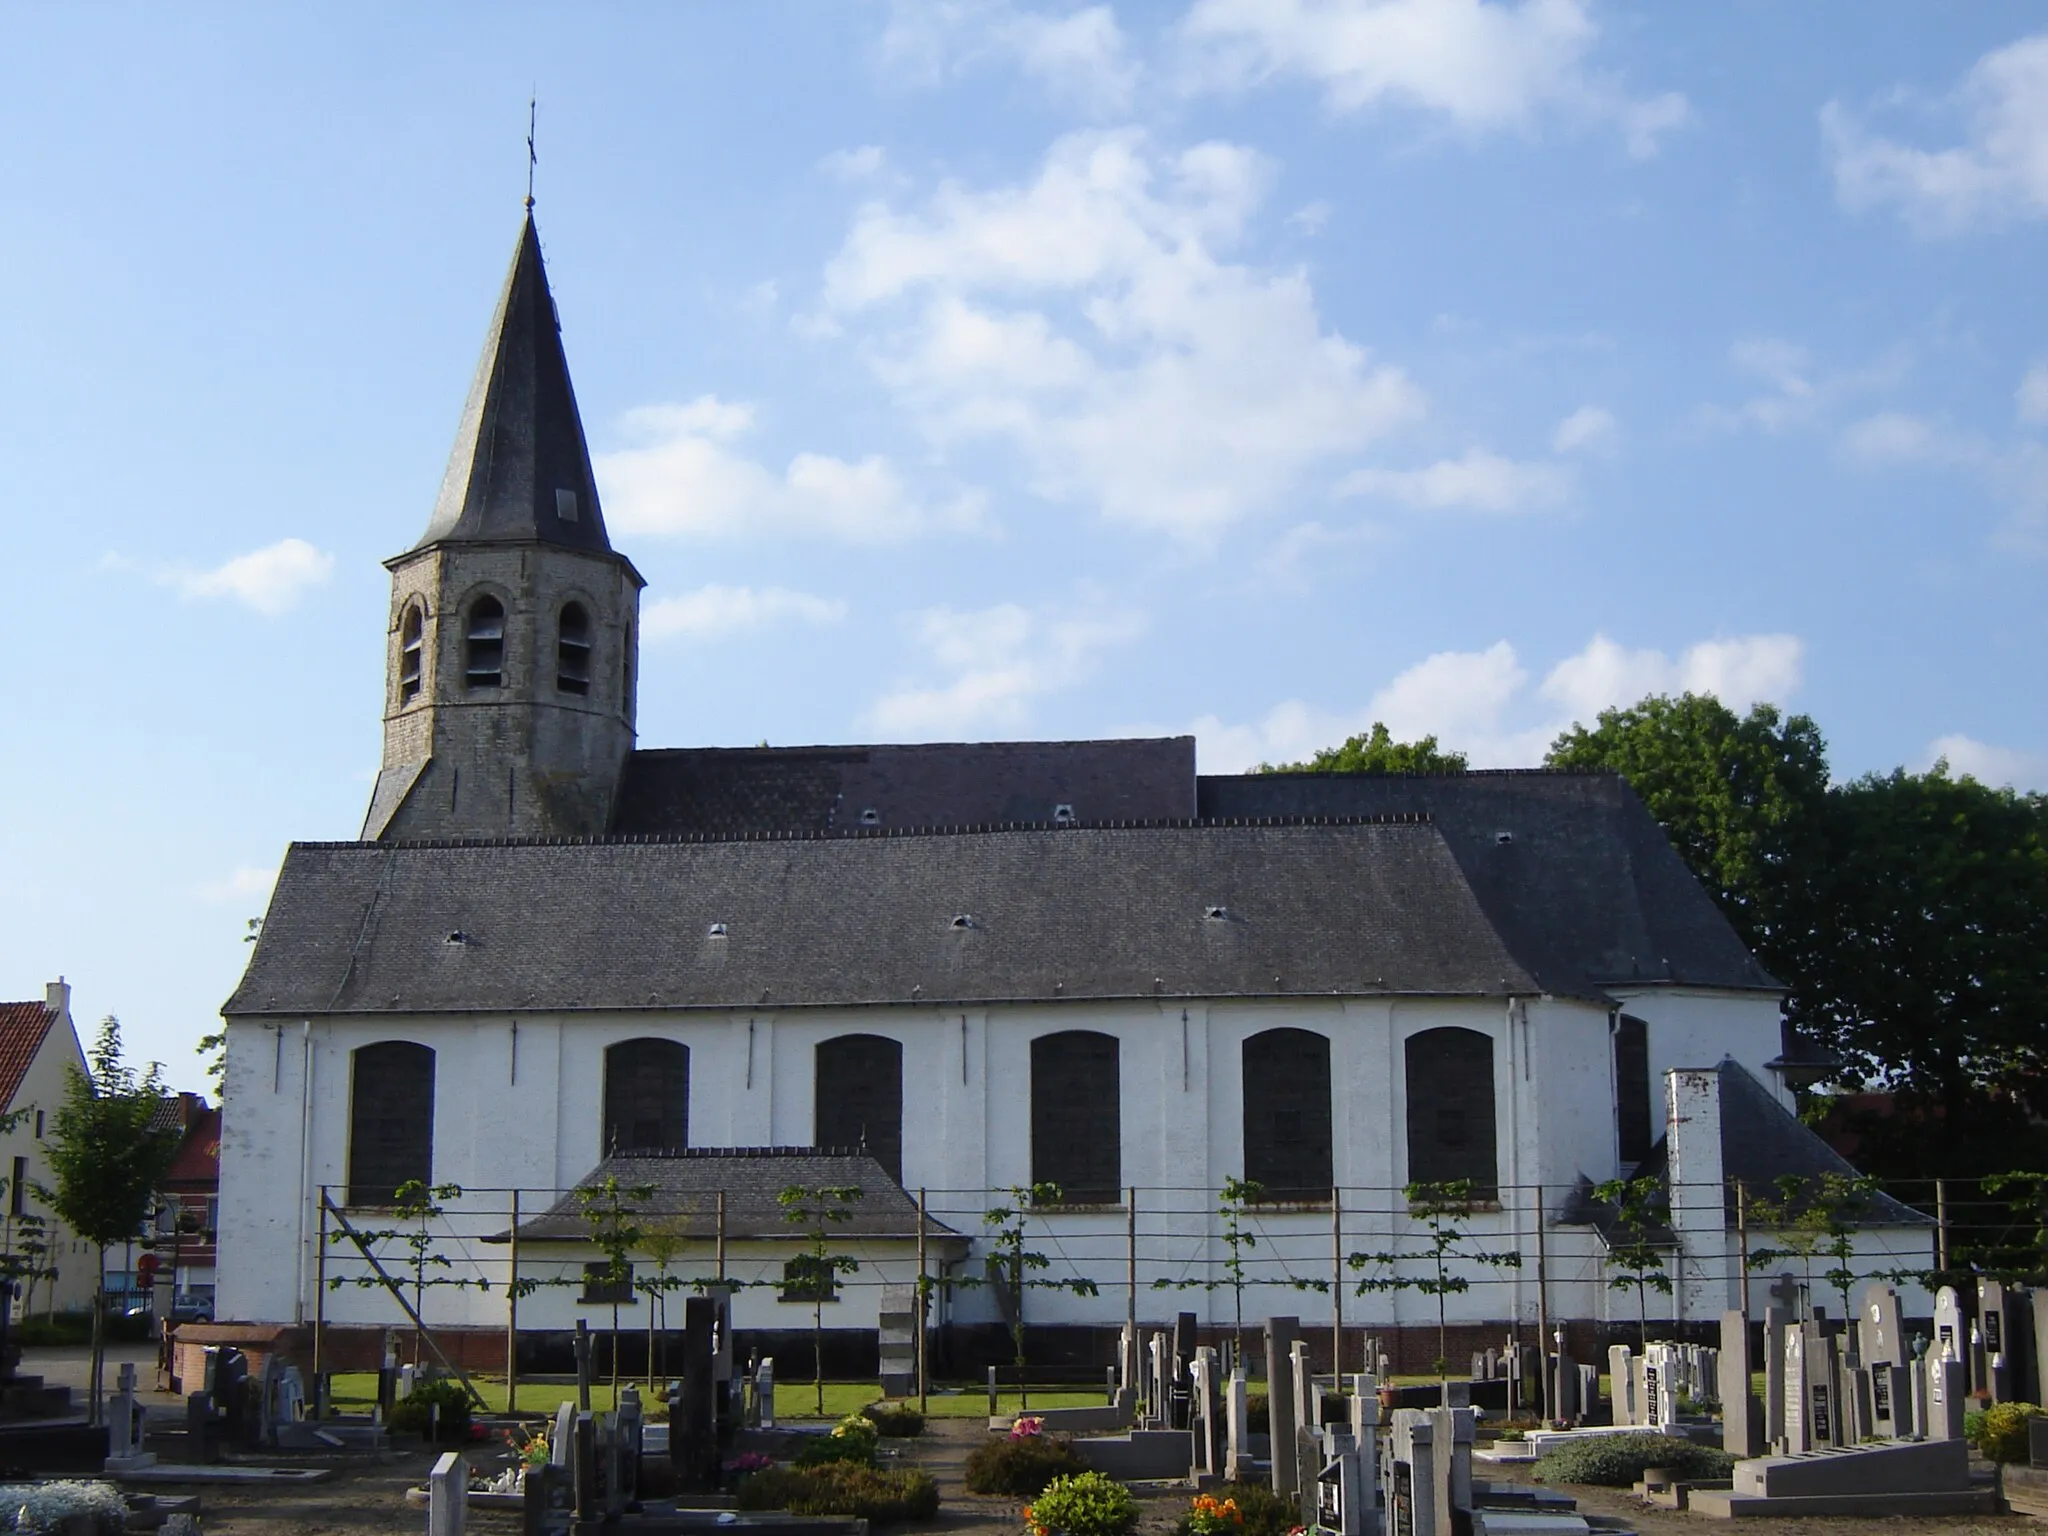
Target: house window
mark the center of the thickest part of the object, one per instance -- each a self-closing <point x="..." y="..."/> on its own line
<point x="599" y="1288"/>
<point x="1077" y="1116"/>
<point x="17" y="1189"/>
<point x="1450" y="1110"/>
<point x="859" y="1098"/>
<point x="572" y="650"/>
<point x="391" y="1120"/>
<point x="484" y="659"/>
<point x="411" y="630"/>
<point x="1634" y="1128"/>
<point x="809" y="1278"/>
<point x="646" y="1096"/>
<point x="1287" y="1114"/>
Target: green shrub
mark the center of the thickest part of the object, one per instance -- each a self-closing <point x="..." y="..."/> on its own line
<point x="414" y="1412"/>
<point x="1086" y="1504"/>
<point x="2001" y="1432"/>
<point x="843" y="1488"/>
<point x="1258" y="1414"/>
<point x="899" y="1421"/>
<point x="1260" y="1511"/>
<point x="852" y="1441"/>
<point x="1617" y="1461"/>
<point x="1023" y="1465"/>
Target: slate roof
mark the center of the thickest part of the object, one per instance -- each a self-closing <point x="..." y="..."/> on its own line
<point x="687" y="1184"/>
<point x="1352" y="907"/>
<point x="1572" y="869"/>
<point x="521" y="437"/>
<point x="1762" y="1142"/>
<point x="726" y="791"/>
<point x="23" y="1028"/>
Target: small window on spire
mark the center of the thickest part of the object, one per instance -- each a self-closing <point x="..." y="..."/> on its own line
<point x="572" y="651"/>
<point x="410" y="630"/>
<point x="484" y="664"/>
<point x="565" y="506"/>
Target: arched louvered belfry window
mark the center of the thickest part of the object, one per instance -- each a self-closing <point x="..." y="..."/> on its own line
<point x="1635" y="1127"/>
<point x="1450" y="1110"/>
<point x="646" y="1096"/>
<point x="483" y="664"/>
<point x="390" y="1120"/>
<point x="1287" y="1114"/>
<point x="1077" y="1116"/>
<point x="859" y="1098"/>
<point x="572" y="650"/>
<point x="411" y="637"/>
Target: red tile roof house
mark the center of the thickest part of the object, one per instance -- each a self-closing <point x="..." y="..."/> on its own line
<point x="38" y="1052"/>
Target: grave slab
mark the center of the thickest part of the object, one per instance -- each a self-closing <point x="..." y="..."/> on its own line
<point x="1927" y="1466"/>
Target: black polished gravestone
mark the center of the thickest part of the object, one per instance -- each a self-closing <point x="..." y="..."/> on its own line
<point x="1179" y="1394"/>
<point x="693" y="1402"/>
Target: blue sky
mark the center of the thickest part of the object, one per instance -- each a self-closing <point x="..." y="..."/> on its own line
<point x="1256" y="368"/>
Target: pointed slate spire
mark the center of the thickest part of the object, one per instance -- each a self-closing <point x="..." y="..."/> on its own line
<point x="521" y="469"/>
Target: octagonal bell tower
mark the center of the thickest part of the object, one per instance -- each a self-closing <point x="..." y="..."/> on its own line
<point x="511" y="648"/>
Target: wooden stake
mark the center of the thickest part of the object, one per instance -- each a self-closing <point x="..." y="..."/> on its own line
<point x="512" y="1314"/>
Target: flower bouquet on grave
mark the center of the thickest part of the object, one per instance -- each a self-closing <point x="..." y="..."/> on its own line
<point x="747" y="1462"/>
<point x="1211" y="1516"/>
<point x="1025" y="1425"/>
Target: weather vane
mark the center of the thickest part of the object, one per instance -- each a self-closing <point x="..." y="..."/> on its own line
<point x="532" y="158"/>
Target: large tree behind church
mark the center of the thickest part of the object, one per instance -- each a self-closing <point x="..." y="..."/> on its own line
<point x="109" y="1159"/>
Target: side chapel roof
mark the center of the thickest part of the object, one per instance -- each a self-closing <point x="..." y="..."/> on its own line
<point x="23" y="1029"/>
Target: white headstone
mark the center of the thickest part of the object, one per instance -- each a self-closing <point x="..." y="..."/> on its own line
<point x="1621" y="1383"/>
<point x="447" y="1496"/>
<point x="564" y="1437"/>
<point x="1951" y="1335"/>
<point x="1237" y="1463"/>
<point x="764" y="1391"/>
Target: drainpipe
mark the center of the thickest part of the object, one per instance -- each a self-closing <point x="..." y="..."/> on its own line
<point x="305" y="1165"/>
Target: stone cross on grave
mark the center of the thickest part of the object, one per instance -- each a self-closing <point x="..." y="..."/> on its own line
<point x="124" y="1427"/>
<point x="1785" y="1291"/>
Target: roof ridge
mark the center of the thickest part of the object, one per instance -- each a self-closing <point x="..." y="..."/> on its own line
<point x="1541" y="771"/>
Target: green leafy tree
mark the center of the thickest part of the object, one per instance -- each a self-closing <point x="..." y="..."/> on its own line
<point x="819" y="1212"/>
<point x="1238" y="1239"/>
<point x="1641" y="1208"/>
<point x="1445" y="1250"/>
<point x="1376" y="751"/>
<point x="615" y="1232"/>
<point x="1014" y="1269"/>
<point x="108" y="1158"/>
<point x="1815" y="1219"/>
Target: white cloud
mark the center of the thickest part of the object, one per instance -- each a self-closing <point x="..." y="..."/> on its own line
<point x="1479" y="702"/>
<point x="684" y="478"/>
<point x="2031" y="399"/>
<point x="1999" y="171"/>
<point x="1089" y="320"/>
<point x="1478" y="482"/>
<point x="1078" y="56"/>
<point x="2015" y="474"/>
<point x="1895" y="437"/>
<point x="270" y="579"/>
<point x="860" y="164"/>
<point x="1589" y="429"/>
<point x="1310" y="218"/>
<point x="1485" y="66"/>
<point x="1799" y="395"/>
<point x="1987" y="764"/>
<point x="248" y="883"/>
<point x="995" y="662"/>
<point x="715" y="611"/>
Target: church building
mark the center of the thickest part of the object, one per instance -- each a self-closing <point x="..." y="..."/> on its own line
<point x="940" y="973"/>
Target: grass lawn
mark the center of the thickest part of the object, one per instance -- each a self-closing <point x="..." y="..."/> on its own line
<point x="357" y="1391"/>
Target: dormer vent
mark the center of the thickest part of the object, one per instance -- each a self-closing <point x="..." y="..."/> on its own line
<point x="1216" y="914"/>
<point x="964" y="920"/>
<point x="1062" y="814"/>
<point x="715" y="931"/>
<point x="871" y="817"/>
<point x="1503" y="839"/>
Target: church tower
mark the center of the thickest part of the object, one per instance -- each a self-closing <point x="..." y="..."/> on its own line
<point x="508" y="706"/>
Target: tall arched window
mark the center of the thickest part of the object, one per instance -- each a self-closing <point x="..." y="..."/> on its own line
<point x="1634" y="1127"/>
<point x="484" y="654"/>
<point x="572" y="650"/>
<point x="859" y="1098"/>
<point x="1077" y="1116"/>
<point x="411" y="632"/>
<point x="1450" y="1110"/>
<point x="1287" y="1114"/>
<point x="390" y="1120"/>
<point x="646" y="1096"/>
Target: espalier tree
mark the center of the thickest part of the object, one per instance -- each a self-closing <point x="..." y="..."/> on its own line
<point x="818" y="1211"/>
<point x="1445" y="1250"/>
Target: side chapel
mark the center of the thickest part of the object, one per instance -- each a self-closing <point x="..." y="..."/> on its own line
<point x="554" y="954"/>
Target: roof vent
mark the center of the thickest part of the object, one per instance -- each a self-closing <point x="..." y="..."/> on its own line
<point x="715" y="931"/>
<point x="964" y="920"/>
<point x="565" y="506"/>
<point x="1503" y="839"/>
<point x="871" y="817"/>
<point x="1062" y="814"/>
<point x="457" y="937"/>
<point x="1217" y="914"/>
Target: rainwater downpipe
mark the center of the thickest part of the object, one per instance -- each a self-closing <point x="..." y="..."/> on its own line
<point x="305" y="1163"/>
<point x="1518" y="1068"/>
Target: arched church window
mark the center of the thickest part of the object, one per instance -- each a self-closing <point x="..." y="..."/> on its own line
<point x="1450" y="1110"/>
<point x="859" y="1098"/>
<point x="1077" y="1116"/>
<point x="1287" y="1114"/>
<point x="1634" y="1128"/>
<point x="411" y="632"/>
<point x="484" y="659"/>
<point x="572" y="650"/>
<point x="646" y="1096"/>
<point x="390" y="1120"/>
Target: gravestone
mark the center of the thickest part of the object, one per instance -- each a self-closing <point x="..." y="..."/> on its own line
<point x="1566" y="1404"/>
<point x="1660" y="1391"/>
<point x="1621" y="1388"/>
<point x="1205" y="1455"/>
<point x="124" y="1427"/>
<point x="1798" y="1424"/>
<point x="1891" y="1402"/>
<point x="1951" y="1336"/>
<point x="1237" y="1464"/>
<point x="1997" y="1375"/>
<point x="693" y="1406"/>
<point x="1280" y="1332"/>
<point x="896" y="1340"/>
<point x="1742" y="1418"/>
<point x="447" y="1496"/>
<point x="628" y="1428"/>
<point x="1917" y="1375"/>
<point x="583" y="1467"/>
<point x="1411" y="1476"/>
<point x="550" y="1508"/>
<point x="1880" y="1331"/>
<point x="1127" y="1358"/>
<point x="1946" y="1397"/>
<point x="1308" y="1418"/>
<point x="764" y="1391"/>
<point x="1181" y="1400"/>
<point x="1859" y="1405"/>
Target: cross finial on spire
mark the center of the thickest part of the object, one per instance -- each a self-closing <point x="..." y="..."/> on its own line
<point x="532" y="158"/>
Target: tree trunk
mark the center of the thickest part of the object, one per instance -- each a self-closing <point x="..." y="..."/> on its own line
<point x="99" y="1339"/>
